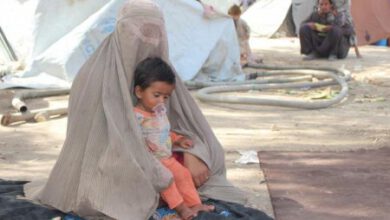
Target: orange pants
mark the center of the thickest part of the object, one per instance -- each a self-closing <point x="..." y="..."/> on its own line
<point x="182" y="189"/>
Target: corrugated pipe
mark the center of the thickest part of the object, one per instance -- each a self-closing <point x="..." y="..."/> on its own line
<point x="337" y="76"/>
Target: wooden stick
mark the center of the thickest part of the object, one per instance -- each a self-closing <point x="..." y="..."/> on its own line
<point x="358" y="55"/>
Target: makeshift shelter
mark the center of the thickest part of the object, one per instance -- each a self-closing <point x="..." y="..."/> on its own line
<point x="200" y="48"/>
<point x="266" y="16"/>
<point x="371" y="18"/>
<point x="6" y="51"/>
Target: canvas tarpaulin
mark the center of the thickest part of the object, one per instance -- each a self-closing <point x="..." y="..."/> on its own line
<point x="265" y="16"/>
<point x="200" y="48"/>
<point x="301" y="9"/>
<point x="372" y="20"/>
<point x="222" y="5"/>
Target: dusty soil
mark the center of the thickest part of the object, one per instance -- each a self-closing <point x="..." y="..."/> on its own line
<point x="29" y="150"/>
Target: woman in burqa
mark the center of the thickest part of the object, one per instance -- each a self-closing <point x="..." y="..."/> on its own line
<point x="104" y="167"/>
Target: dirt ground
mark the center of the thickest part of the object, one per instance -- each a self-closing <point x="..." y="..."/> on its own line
<point x="29" y="150"/>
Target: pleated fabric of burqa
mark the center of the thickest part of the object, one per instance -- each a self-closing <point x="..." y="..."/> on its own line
<point x="104" y="167"/>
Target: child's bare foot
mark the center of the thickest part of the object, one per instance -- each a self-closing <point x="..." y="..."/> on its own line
<point x="185" y="212"/>
<point x="202" y="207"/>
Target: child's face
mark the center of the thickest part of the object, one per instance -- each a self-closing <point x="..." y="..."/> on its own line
<point x="236" y="17"/>
<point x="325" y="6"/>
<point x="158" y="92"/>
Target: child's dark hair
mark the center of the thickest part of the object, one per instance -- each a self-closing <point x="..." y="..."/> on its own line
<point x="330" y="1"/>
<point x="235" y="10"/>
<point x="153" y="69"/>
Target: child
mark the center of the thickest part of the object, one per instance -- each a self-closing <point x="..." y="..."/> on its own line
<point x="243" y="32"/>
<point x="325" y="33"/>
<point x="154" y="82"/>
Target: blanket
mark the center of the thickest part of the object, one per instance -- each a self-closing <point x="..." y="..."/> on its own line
<point x="12" y="207"/>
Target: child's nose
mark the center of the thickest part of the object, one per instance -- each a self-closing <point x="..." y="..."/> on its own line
<point x="161" y="100"/>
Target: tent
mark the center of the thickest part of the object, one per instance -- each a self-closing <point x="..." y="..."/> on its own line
<point x="371" y="18"/>
<point x="266" y="16"/>
<point x="66" y="33"/>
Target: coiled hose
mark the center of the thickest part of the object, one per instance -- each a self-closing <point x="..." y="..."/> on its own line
<point x="330" y="76"/>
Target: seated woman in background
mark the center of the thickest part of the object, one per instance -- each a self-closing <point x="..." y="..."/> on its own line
<point x="325" y="33"/>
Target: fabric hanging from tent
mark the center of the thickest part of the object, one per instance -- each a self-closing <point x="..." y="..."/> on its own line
<point x="372" y="20"/>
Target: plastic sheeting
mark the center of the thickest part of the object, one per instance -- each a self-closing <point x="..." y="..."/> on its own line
<point x="265" y="16"/>
<point x="16" y="22"/>
<point x="200" y="48"/>
<point x="301" y="9"/>
<point x="60" y="50"/>
<point x="222" y="5"/>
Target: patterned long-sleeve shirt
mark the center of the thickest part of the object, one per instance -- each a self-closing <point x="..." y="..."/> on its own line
<point x="157" y="133"/>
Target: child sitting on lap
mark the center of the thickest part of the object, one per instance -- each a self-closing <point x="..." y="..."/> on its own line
<point x="153" y="84"/>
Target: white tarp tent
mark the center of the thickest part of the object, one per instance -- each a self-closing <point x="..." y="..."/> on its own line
<point x="221" y="5"/>
<point x="68" y="32"/>
<point x="16" y="22"/>
<point x="265" y="16"/>
<point x="301" y="10"/>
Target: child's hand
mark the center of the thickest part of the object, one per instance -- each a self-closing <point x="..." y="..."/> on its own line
<point x="184" y="142"/>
